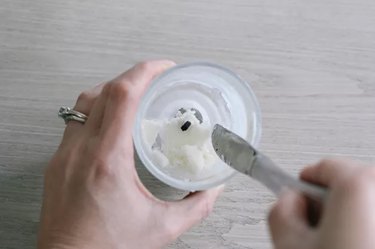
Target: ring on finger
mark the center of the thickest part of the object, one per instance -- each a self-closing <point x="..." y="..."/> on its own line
<point x="68" y="114"/>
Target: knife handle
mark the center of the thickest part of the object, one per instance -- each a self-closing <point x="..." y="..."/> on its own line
<point x="265" y="171"/>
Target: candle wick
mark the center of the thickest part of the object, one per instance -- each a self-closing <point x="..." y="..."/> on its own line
<point x="185" y="126"/>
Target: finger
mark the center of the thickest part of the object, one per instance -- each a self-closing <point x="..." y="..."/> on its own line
<point x="87" y="98"/>
<point x="287" y="220"/>
<point x="94" y="121"/>
<point x="327" y="171"/>
<point x="124" y="95"/>
<point x="189" y="211"/>
<point x="84" y="105"/>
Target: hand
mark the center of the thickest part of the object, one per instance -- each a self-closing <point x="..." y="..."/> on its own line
<point x="347" y="220"/>
<point x="93" y="197"/>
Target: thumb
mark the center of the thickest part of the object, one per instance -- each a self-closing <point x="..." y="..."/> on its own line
<point x="287" y="221"/>
<point x="189" y="211"/>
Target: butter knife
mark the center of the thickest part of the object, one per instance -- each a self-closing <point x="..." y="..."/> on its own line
<point x="240" y="155"/>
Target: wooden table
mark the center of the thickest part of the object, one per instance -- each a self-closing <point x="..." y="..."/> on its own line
<point x="311" y="64"/>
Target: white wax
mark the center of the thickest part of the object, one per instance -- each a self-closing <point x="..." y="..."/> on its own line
<point x="189" y="150"/>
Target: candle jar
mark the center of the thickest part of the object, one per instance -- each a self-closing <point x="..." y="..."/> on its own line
<point x="220" y="96"/>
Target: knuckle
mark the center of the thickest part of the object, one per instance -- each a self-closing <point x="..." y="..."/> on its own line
<point x="84" y="96"/>
<point x="121" y="90"/>
<point x="359" y="182"/>
<point x="99" y="163"/>
<point x="170" y="232"/>
<point x="102" y="169"/>
<point x="107" y="88"/>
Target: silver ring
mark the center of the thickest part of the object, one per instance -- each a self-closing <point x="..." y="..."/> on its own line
<point x="69" y="114"/>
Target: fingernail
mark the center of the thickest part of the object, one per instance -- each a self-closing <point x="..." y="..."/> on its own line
<point x="168" y="63"/>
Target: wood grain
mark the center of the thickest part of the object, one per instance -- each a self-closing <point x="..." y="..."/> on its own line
<point x="311" y="64"/>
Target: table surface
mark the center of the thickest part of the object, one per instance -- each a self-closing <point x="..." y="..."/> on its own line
<point x="311" y="64"/>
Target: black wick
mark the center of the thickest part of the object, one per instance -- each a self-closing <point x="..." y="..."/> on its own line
<point x="185" y="126"/>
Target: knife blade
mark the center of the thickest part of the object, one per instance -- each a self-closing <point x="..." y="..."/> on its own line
<point x="240" y="155"/>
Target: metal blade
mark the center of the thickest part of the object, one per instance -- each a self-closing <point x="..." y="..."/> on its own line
<point x="240" y="155"/>
<point x="233" y="150"/>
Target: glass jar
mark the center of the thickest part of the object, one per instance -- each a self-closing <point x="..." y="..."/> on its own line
<point x="218" y="94"/>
